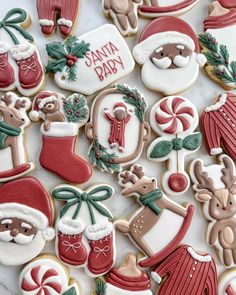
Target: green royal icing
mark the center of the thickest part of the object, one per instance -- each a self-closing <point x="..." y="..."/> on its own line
<point x="5" y="131"/>
<point x="71" y="291"/>
<point x="149" y="199"/>
<point x="75" y="108"/>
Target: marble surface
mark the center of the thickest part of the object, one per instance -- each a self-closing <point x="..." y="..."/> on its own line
<point x="201" y="94"/>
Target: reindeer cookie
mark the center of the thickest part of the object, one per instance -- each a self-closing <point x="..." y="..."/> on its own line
<point x="147" y="227"/>
<point x="215" y="188"/>
<point x="227" y="282"/>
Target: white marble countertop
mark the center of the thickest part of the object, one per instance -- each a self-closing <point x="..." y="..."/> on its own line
<point x="201" y="94"/>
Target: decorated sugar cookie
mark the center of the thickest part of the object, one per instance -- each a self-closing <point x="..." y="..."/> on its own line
<point x="174" y="118"/>
<point x="219" y="46"/>
<point x="90" y="62"/>
<point x="20" y="63"/>
<point x="47" y="276"/>
<point x="215" y="188"/>
<point x="227" y="282"/>
<point x="48" y="10"/>
<point x="14" y="120"/>
<point x="186" y="271"/>
<point x="124" y="14"/>
<point x="169" y="53"/>
<point x="156" y="8"/>
<point x="228" y="3"/>
<point x="26" y="220"/>
<point x="85" y="233"/>
<point x="147" y="227"/>
<point x="117" y="128"/>
<point x="128" y="279"/>
<point x="62" y="117"/>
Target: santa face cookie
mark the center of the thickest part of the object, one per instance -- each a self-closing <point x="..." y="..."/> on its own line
<point x="20" y="64"/>
<point x="14" y="120"/>
<point x="85" y="235"/>
<point x="215" y="188"/>
<point x="186" y="271"/>
<point x="147" y="227"/>
<point x="227" y="282"/>
<point x="219" y="46"/>
<point x="48" y="10"/>
<point x="26" y="220"/>
<point x="174" y="118"/>
<point x="168" y="50"/>
<point x="117" y="129"/>
<point x="90" y="62"/>
<point x="62" y="116"/>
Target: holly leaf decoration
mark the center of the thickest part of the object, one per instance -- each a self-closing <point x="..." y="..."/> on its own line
<point x="55" y="66"/>
<point x="76" y="108"/>
<point x="80" y="49"/>
<point x="56" y="50"/>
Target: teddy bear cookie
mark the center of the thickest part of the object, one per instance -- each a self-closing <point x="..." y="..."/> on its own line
<point x="89" y="63"/>
<point x="47" y="276"/>
<point x="62" y="117"/>
<point x="168" y="50"/>
<point x="227" y="282"/>
<point x="218" y="45"/>
<point x="14" y="121"/>
<point x="85" y="234"/>
<point x="117" y="128"/>
<point x="186" y="271"/>
<point x="174" y="118"/>
<point x="215" y="188"/>
<point x="20" y="63"/>
<point x="26" y="220"/>
<point x="48" y="10"/>
<point x="146" y="227"/>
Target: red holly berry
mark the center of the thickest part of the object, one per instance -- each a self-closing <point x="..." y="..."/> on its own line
<point x="70" y="63"/>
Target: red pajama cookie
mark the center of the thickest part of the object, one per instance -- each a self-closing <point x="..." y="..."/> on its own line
<point x="62" y="117"/>
<point x="85" y="232"/>
<point x="90" y="62"/>
<point x="227" y="282"/>
<point x="147" y="226"/>
<point x="26" y="220"/>
<point x="186" y="271"/>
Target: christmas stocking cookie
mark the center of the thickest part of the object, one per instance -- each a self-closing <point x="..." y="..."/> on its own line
<point x="62" y="119"/>
<point x="227" y="282"/>
<point x="147" y="226"/>
<point x="85" y="233"/>
<point x="174" y="119"/>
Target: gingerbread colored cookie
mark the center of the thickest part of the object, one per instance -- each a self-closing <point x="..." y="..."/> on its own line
<point x="85" y="234"/>
<point x="218" y="45"/>
<point x="47" y="276"/>
<point x="62" y="117"/>
<point x="89" y="63"/>
<point x="174" y="119"/>
<point x="215" y="188"/>
<point x="117" y="129"/>
<point x="227" y="282"/>
<point x="168" y="50"/>
<point x="186" y="271"/>
<point x="61" y="12"/>
<point x="147" y="226"/>
<point x="26" y="220"/>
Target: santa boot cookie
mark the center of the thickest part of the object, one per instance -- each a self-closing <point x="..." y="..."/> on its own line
<point x="62" y="119"/>
<point x="6" y="71"/>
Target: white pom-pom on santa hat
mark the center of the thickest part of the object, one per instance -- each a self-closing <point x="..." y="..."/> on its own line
<point x="201" y="59"/>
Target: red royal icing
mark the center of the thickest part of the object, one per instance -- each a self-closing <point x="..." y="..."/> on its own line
<point x="178" y="182"/>
<point x="221" y="21"/>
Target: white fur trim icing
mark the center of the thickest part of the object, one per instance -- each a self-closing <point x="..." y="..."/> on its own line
<point x="218" y="104"/>
<point x="143" y="50"/>
<point x="216" y="151"/>
<point x="65" y="22"/>
<point x="156" y="277"/>
<point x="120" y="109"/>
<point x="201" y="59"/>
<point x="22" y="51"/>
<point x="98" y="231"/>
<point x="201" y="258"/>
<point x="49" y="234"/>
<point x="70" y="226"/>
<point x="46" y="22"/>
<point x="60" y="129"/>
<point x="45" y="100"/>
<point x="4" y="47"/>
<point x="34" y="115"/>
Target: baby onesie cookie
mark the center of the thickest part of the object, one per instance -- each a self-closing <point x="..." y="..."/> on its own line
<point x="227" y="282"/>
<point x="85" y="235"/>
<point x="219" y="46"/>
<point x="61" y="12"/>
<point x="215" y="187"/>
<point x="117" y="129"/>
<point x="14" y="120"/>
<point x="20" y="63"/>
<point x="174" y="118"/>
<point x="147" y="226"/>
<point x="128" y="279"/>
<point x="186" y="271"/>
<point x="169" y="53"/>
<point x="47" y="276"/>
<point x="62" y="117"/>
<point x="124" y="14"/>
<point x="90" y="62"/>
<point x="26" y="220"/>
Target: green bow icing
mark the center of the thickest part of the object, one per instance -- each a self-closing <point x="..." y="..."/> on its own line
<point x="149" y="199"/>
<point x="14" y="20"/>
<point x="165" y="147"/>
<point x="71" y="291"/>
<point x="75" y="198"/>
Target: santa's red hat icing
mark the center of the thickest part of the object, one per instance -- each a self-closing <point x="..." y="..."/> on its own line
<point x="120" y="106"/>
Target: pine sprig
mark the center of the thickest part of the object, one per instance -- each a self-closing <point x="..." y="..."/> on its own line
<point x="100" y="287"/>
<point x="76" y="108"/>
